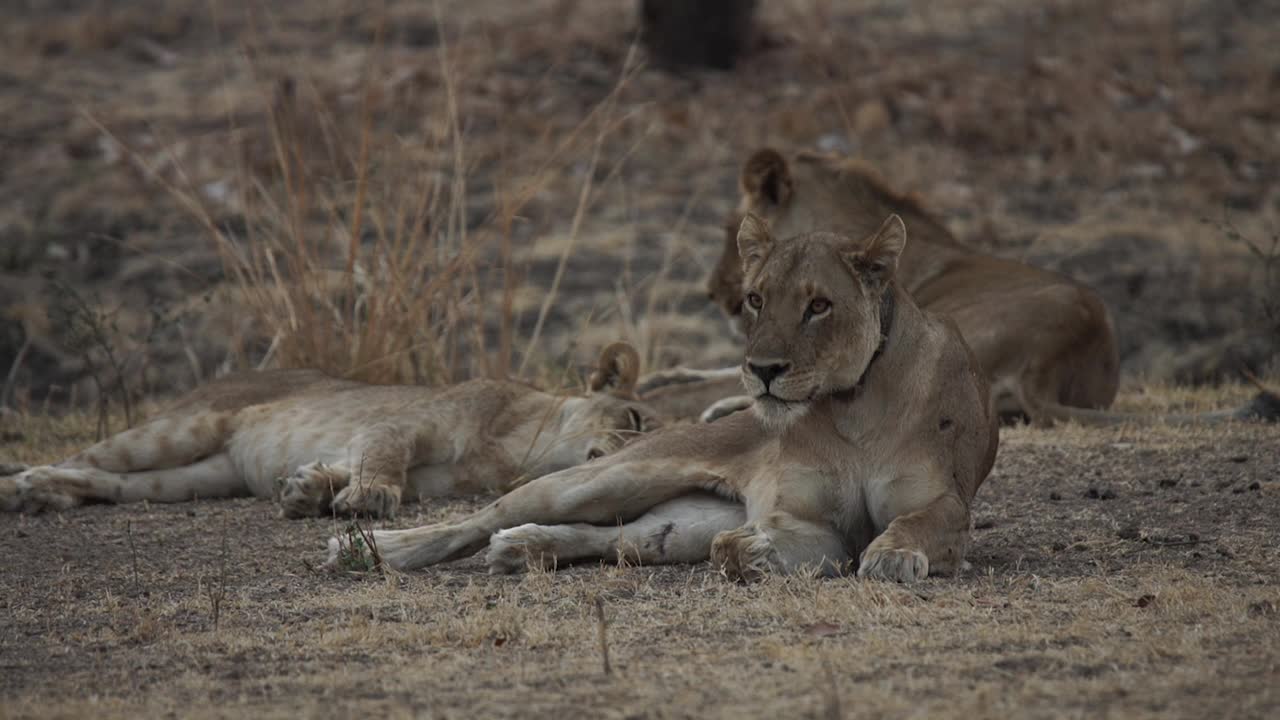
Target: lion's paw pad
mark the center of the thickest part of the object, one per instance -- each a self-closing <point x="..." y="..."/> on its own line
<point x="514" y="549"/>
<point x="893" y="564"/>
<point x="744" y="554"/>
<point x="380" y="501"/>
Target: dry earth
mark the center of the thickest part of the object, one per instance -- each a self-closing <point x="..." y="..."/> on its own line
<point x="1116" y="573"/>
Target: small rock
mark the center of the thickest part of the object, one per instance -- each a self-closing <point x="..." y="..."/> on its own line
<point x="1103" y="493"/>
<point x="1054" y="496"/>
<point x="1168" y="482"/>
<point x="984" y="524"/>
<point x="1238" y="458"/>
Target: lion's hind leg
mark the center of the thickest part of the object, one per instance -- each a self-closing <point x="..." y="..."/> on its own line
<point x="54" y="487"/>
<point x="167" y="441"/>
<point x="676" y="531"/>
<point x="170" y="458"/>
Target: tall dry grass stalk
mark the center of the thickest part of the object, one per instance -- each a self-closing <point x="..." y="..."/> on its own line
<point x="361" y="255"/>
<point x="361" y="266"/>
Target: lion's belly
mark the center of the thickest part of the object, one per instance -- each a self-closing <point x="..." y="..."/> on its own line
<point x="428" y="481"/>
<point x="260" y="456"/>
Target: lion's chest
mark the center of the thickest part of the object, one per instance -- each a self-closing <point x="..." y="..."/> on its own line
<point x="857" y="491"/>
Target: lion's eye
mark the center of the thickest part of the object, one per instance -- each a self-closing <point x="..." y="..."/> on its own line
<point x="818" y="306"/>
<point x="755" y="301"/>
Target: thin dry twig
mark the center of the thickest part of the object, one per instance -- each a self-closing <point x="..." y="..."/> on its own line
<point x="217" y="594"/>
<point x="603" y="635"/>
<point x="133" y="556"/>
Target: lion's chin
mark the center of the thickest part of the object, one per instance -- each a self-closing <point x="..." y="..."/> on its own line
<point x="776" y="413"/>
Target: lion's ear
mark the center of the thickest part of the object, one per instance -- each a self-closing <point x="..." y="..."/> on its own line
<point x="877" y="259"/>
<point x="754" y="241"/>
<point x="616" y="371"/>
<point x="766" y="179"/>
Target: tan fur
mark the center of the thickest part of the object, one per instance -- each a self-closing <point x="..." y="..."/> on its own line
<point x="860" y="453"/>
<point x="1042" y="339"/>
<point x="321" y="443"/>
<point x="1046" y="343"/>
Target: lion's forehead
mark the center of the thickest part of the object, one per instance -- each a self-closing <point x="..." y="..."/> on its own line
<point x="805" y="267"/>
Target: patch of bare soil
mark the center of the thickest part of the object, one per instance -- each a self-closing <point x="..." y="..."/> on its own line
<point x="1125" y="573"/>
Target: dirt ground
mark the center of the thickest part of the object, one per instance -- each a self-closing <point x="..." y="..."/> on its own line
<point x="1115" y="573"/>
<point x="1134" y="146"/>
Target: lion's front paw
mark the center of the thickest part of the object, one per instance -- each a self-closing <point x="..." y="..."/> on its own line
<point x="514" y="549"/>
<point x="744" y="554"/>
<point x="377" y="500"/>
<point x="883" y="562"/>
<point x="309" y="490"/>
<point x="725" y="407"/>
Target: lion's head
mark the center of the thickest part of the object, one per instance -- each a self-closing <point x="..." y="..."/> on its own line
<point x="812" y="312"/>
<point x="611" y="414"/>
<point x="812" y="192"/>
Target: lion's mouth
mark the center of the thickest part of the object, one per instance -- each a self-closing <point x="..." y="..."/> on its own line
<point x="768" y="397"/>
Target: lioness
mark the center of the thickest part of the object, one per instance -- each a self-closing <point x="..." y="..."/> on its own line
<point x="1045" y="342"/>
<point x="322" y="443"/>
<point x="871" y="432"/>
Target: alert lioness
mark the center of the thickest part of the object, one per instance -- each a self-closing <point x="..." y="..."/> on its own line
<point x="871" y="432"/>
<point x="1045" y="342"/>
<point x="320" y="443"/>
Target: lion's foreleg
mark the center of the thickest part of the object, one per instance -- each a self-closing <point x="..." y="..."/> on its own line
<point x="779" y="542"/>
<point x="379" y="459"/>
<point x="932" y="539"/>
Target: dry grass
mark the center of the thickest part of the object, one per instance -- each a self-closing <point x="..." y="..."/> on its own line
<point x="398" y="195"/>
<point x="1117" y="573"/>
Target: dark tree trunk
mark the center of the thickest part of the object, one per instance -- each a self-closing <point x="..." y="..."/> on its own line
<point x="706" y="33"/>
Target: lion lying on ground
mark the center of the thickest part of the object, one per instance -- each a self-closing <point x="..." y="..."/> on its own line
<point x="871" y="432"/>
<point x="1046" y="343"/>
<point x="320" y="443"/>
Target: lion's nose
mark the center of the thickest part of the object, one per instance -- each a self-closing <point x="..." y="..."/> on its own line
<point x="767" y="372"/>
